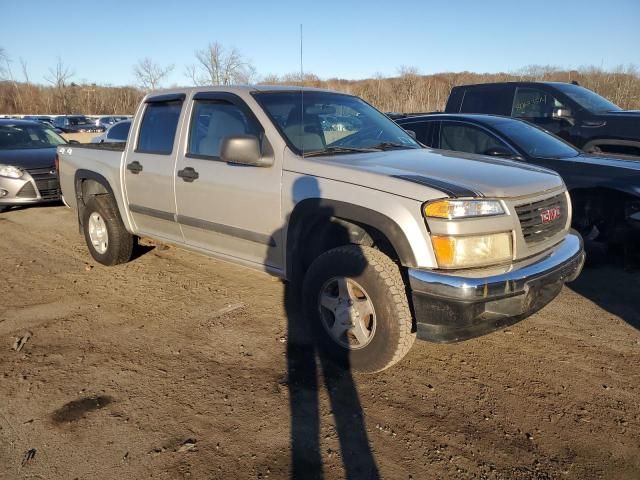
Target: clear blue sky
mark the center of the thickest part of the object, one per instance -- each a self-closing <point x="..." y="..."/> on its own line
<point x="102" y="40"/>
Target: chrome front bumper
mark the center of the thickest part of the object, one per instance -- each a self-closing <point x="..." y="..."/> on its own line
<point x="456" y="306"/>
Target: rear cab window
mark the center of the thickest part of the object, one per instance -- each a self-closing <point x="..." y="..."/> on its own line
<point x="158" y="127"/>
<point x="495" y="99"/>
<point x="119" y="131"/>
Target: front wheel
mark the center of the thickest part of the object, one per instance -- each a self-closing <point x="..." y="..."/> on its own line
<point x="356" y="299"/>
<point x="108" y="240"/>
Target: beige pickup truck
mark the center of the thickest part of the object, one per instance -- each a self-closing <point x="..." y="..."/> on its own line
<point x="389" y="240"/>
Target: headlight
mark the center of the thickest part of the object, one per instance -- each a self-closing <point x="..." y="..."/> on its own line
<point x="452" y="209"/>
<point x="466" y="252"/>
<point x="10" y="171"/>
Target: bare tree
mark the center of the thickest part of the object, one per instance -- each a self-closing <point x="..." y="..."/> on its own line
<point x="216" y="65"/>
<point x="149" y="74"/>
<point x="59" y="77"/>
<point x="4" y="64"/>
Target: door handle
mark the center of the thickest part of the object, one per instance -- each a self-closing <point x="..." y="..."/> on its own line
<point x="188" y="174"/>
<point x="134" y="167"/>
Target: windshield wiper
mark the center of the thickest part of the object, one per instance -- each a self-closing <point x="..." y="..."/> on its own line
<point x="339" y="150"/>
<point x="389" y="146"/>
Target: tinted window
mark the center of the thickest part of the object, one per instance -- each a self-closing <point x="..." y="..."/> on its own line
<point x="534" y="103"/>
<point x="213" y="121"/>
<point x="79" y="121"/>
<point x="486" y="100"/>
<point x="423" y="131"/>
<point x="119" y="131"/>
<point x="467" y="138"/>
<point x="158" y="129"/>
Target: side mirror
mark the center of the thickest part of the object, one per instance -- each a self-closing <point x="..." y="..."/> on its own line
<point x="499" y="152"/>
<point x="73" y="142"/>
<point x="244" y="150"/>
<point x="563" y="113"/>
<point x="411" y="133"/>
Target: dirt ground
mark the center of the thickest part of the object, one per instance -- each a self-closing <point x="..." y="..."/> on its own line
<point x="175" y="366"/>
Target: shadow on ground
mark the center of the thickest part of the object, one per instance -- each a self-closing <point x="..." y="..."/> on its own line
<point x="310" y="365"/>
<point x="613" y="289"/>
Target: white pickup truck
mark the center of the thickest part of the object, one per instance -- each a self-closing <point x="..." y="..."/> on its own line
<point x="389" y="240"/>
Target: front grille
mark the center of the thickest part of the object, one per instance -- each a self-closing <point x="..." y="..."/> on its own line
<point x="530" y="215"/>
<point x="27" y="191"/>
<point x="47" y="182"/>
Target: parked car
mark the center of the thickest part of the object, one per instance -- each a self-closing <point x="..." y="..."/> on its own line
<point x="388" y="239"/>
<point x="76" y="124"/>
<point x="605" y="191"/>
<point x="574" y="113"/>
<point x="27" y="163"/>
<point x="45" y="120"/>
<point x="117" y="132"/>
<point x="105" y="120"/>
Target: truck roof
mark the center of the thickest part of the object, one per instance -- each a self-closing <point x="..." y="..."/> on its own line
<point x="512" y="83"/>
<point x="239" y="89"/>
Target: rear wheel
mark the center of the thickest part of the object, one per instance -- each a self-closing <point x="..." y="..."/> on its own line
<point x="108" y="240"/>
<point x="356" y="299"/>
<point x="4" y="209"/>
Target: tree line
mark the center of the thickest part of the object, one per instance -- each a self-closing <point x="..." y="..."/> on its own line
<point x="407" y="91"/>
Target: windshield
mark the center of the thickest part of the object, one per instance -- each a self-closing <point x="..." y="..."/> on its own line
<point x="587" y="99"/>
<point x="17" y="137"/>
<point x="80" y="121"/>
<point x="331" y="123"/>
<point x="535" y="141"/>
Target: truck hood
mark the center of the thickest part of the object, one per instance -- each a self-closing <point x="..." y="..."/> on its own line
<point x="29" y="158"/>
<point x="452" y="173"/>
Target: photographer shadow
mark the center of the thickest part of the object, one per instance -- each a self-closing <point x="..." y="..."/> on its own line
<point x="309" y="365"/>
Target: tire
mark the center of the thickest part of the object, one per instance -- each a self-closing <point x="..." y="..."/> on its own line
<point x="375" y="279"/>
<point x="4" y="209"/>
<point x="120" y="243"/>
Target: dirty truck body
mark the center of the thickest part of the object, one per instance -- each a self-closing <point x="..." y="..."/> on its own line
<point x="387" y="240"/>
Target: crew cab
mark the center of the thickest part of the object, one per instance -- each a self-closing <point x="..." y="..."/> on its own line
<point x="574" y="113"/>
<point x="388" y="240"/>
<point x="76" y="124"/>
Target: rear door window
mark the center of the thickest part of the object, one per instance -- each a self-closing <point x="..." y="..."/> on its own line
<point x="158" y="128"/>
<point x="462" y="137"/>
<point x="534" y="103"/>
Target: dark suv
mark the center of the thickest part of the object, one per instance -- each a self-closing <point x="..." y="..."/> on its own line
<point x="576" y="114"/>
<point x="76" y="124"/>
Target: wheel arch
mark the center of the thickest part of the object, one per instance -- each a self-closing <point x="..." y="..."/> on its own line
<point x="615" y="142"/>
<point x="89" y="183"/>
<point x="600" y="203"/>
<point x="317" y="224"/>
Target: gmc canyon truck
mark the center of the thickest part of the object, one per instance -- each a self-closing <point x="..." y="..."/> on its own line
<point x="388" y="240"/>
<point x="574" y="113"/>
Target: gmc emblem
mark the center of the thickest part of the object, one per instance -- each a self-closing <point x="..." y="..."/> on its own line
<point x="550" y="214"/>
